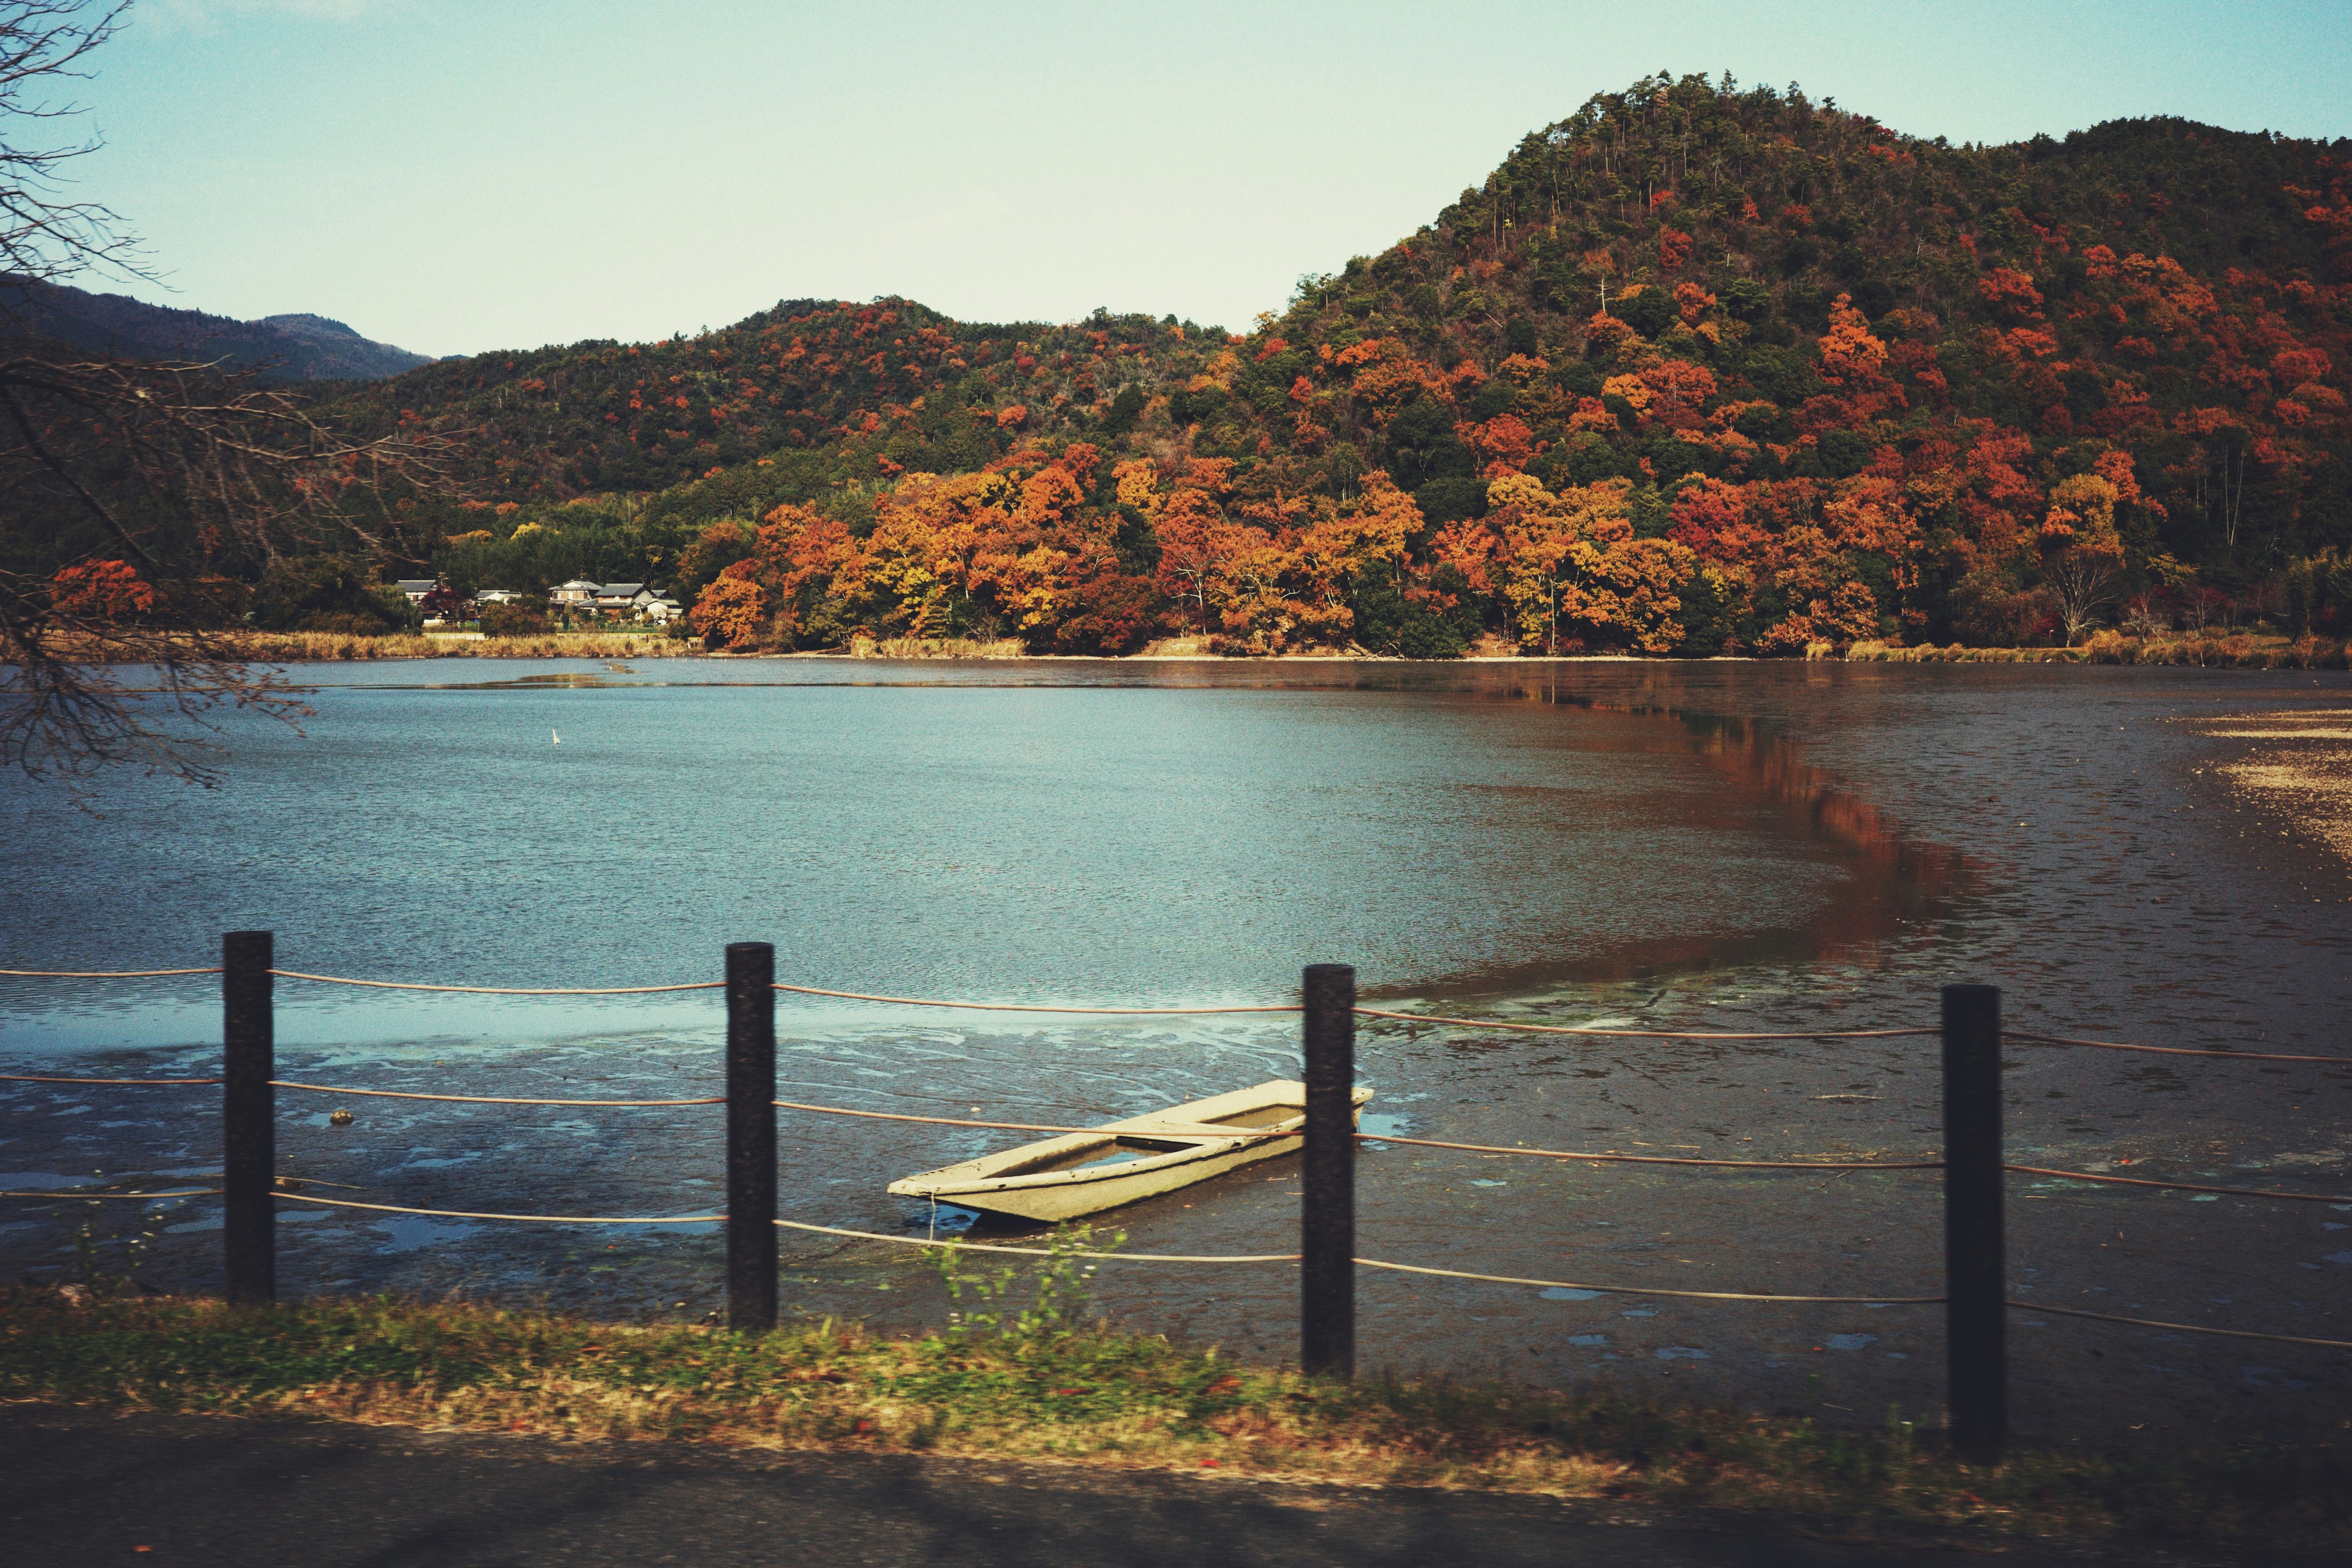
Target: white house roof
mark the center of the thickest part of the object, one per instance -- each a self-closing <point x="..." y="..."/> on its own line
<point x="577" y="583"/>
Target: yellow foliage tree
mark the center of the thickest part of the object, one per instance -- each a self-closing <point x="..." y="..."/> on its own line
<point x="1573" y="558"/>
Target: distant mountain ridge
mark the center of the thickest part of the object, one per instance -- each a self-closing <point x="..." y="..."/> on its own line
<point x="287" y="348"/>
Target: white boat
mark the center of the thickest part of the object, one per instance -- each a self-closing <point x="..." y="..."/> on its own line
<point x="1118" y="1163"/>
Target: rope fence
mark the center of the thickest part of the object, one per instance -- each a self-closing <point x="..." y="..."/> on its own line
<point x="67" y="1196"/>
<point x="103" y="973"/>
<point x="1430" y="1019"/>
<point x="1571" y="1154"/>
<point x="1660" y="1159"/>
<point x="481" y="1099"/>
<point x="502" y="990"/>
<point x="2176" y="1051"/>
<point x="2180" y="1186"/>
<point x="143" y="1082"/>
<point x="1640" y="1034"/>
<point x="2179" y="1328"/>
<point x="1971" y="1161"/>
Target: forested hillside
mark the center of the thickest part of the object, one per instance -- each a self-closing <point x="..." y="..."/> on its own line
<point x="288" y="348"/>
<point x="1698" y="369"/>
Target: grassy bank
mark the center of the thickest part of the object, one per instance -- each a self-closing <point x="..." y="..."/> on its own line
<point x="1032" y="1386"/>
<point x="2218" y="651"/>
<point x="306" y="648"/>
<point x="2235" y="650"/>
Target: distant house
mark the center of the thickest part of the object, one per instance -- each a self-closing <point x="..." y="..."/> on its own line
<point x="621" y="599"/>
<point x="661" y="611"/>
<point x="417" y="587"/>
<point x="495" y="595"/>
<point x="578" y="594"/>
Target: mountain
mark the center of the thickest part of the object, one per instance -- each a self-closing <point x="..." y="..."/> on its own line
<point x="292" y="348"/>
<point x="1698" y="368"/>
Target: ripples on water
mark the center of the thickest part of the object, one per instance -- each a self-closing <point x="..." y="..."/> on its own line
<point x="1710" y="846"/>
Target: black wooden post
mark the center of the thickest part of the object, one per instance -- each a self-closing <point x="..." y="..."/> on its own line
<point x="1975" y="1270"/>
<point x="248" y="1117"/>
<point x="1326" y="1269"/>
<point x="751" y="1135"/>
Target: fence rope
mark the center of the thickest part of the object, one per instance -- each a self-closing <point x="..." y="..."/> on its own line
<point x="1641" y="1034"/>
<point x="1436" y="1020"/>
<point x="1113" y="1256"/>
<point x="1829" y="1165"/>
<point x="481" y="1099"/>
<point x="1431" y="1018"/>
<point x="103" y="973"/>
<point x="2183" y="1187"/>
<point x="2172" y="1050"/>
<point x="2183" y="1328"/>
<point x="1046" y="1251"/>
<point x="1647" y="1290"/>
<point x="1662" y="1159"/>
<point x="525" y="1219"/>
<point x="87" y="1197"/>
<point x="1028" y="1007"/>
<point x="1014" y="1126"/>
<point x="499" y="990"/>
<point x="151" y="1083"/>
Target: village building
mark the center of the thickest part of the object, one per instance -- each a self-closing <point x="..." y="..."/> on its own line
<point x="622" y="600"/>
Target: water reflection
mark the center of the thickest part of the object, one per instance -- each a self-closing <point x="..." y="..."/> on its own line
<point x="1889" y="876"/>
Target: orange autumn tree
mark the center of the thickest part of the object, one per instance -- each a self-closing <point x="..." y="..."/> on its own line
<point x="1573" y="560"/>
<point x="102" y="590"/>
<point x="2081" y="554"/>
<point x="732" y="613"/>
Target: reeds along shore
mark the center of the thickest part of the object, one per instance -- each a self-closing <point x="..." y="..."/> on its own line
<point x="2233" y="651"/>
<point x="2238" y="650"/>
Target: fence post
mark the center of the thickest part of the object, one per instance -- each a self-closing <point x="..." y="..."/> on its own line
<point x="1975" y="1269"/>
<point x="1326" y="1269"/>
<point x="248" y="1117"/>
<point x="751" y="1135"/>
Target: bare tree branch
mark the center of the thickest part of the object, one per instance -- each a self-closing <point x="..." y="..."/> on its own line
<point x="202" y="472"/>
<point x="42" y="233"/>
<point x="137" y="500"/>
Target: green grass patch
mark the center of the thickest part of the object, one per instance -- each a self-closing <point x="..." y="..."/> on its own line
<point x="1033" y="1385"/>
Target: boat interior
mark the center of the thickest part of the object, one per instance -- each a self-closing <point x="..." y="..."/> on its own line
<point x="1120" y="1148"/>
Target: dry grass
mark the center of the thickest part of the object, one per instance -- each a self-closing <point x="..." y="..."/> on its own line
<point x="2238" y="650"/>
<point x="305" y="647"/>
<point x="937" y="647"/>
<point x="1091" y="1396"/>
<point x="2217" y="651"/>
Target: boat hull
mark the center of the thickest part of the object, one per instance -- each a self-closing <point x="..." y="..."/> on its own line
<point x="1122" y="1163"/>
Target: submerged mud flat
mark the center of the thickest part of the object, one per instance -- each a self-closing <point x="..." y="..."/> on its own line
<point x="1695" y="846"/>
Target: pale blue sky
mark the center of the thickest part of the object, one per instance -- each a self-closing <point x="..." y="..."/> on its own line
<point x="457" y="177"/>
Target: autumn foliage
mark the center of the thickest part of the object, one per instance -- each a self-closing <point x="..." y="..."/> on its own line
<point x="1695" y="370"/>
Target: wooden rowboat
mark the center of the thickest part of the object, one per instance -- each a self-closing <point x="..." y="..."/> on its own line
<point x="1118" y="1163"/>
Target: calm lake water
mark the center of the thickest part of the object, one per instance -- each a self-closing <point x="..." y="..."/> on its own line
<point x="1710" y="846"/>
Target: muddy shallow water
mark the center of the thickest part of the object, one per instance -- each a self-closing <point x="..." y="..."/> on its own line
<point x="1710" y="845"/>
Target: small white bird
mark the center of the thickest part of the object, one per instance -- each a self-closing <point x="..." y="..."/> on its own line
<point x="554" y="739"/>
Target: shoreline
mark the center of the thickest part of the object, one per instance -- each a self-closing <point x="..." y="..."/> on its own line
<point x="2236" y="652"/>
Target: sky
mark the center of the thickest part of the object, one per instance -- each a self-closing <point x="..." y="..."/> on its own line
<point x="455" y="178"/>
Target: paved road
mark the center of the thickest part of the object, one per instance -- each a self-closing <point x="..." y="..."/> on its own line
<point x="86" y="1487"/>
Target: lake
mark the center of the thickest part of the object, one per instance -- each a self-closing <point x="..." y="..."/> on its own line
<point x="1710" y="845"/>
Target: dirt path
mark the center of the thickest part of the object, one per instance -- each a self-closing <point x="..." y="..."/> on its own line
<point x="88" y="1487"/>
